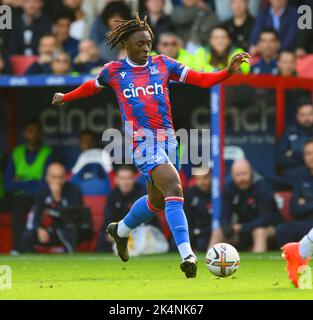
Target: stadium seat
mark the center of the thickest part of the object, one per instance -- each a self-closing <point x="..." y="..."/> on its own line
<point x="304" y="66"/>
<point x="5" y="232"/>
<point x="21" y="63"/>
<point x="282" y="199"/>
<point x="96" y="205"/>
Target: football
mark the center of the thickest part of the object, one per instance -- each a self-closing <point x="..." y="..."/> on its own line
<point x="222" y="260"/>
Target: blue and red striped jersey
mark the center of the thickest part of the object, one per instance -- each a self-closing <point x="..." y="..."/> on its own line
<point x="142" y="91"/>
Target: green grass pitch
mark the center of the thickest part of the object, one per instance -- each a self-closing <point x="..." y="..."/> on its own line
<point x="103" y="276"/>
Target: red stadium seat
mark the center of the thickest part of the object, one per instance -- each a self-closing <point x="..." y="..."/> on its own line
<point x="305" y="66"/>
<point x="21" y="63"/>
<point x="96" y="205"/>
<point x="282" y="199"/>
<point x="5" y="232"/>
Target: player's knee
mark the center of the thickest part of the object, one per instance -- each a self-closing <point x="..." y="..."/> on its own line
<point x="157" y="203"/>
<point x="174" y="189"/>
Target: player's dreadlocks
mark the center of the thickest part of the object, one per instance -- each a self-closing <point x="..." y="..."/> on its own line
<point x="125" y="28"/>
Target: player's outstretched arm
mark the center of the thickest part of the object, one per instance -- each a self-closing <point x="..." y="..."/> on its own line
<point x="207" y="80"/>
<point x="87" y="89"/>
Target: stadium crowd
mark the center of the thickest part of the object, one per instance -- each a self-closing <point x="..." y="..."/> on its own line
<point x="67" y="37"/>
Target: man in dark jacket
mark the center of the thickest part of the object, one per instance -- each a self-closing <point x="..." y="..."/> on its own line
<point x="120" y="200"/>
<point x="47" y="227"/>
<point x="249" y="209"/>
<point x="282" y="18"/>
<point x="28" y="27"/>
<point x="199" y="210"/>
<point x="301" y="206"/>
<point x="290" y="146"/>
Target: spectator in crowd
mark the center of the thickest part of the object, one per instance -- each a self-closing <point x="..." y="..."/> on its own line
<point x="301" y="206"/>
<point x="93" y="166"/>
<point x="5" y="64"/>
<point x="268" y="46"/>
<point x="304" y="42"/>
<point x="120" y="200"/>
<point x="224" y="12"/>
<point x="24" y="171"/>
<point x="193" y="21"/>
<point x="290" y="146"/>
<point x="199" y="210"/>
<point x="47" y="47"/>
<point x="28" y="27"/>
<point x="157" y="19"/>
<point x="171" y="45"/>
<point x="115" y="10"/>
<point x="88" y="59"/>
<point x="48" y="227"/>
<point x="282" y="18"/>
<point x="61" y="63"/>
<point x="61" y="30"/>
<point x="81" y="26"/>
<point x="240" y="25"/>
<point x="218" y="53"/>
<point x="287" y="64"/>
<point x="248" y="209"/>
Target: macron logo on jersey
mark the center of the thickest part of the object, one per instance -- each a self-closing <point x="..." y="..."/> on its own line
<point x="123" y="74"/>
<point x="133" y="92"/>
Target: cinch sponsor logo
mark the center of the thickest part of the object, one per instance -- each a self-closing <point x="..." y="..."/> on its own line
<point x="133" y="92"/>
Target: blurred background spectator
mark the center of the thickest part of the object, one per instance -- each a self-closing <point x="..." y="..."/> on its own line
<point x="249" y="209"/>
<point x="47" y="46"/>
<point x="301" y="205"/>
<point x="268" y="46"/>
<point x="28" y="27"/>
<point x="81" y="25"/>
<point x="287" y="64"/>
<point x="193" y="21"/>
<point x="93" y="166"/>
<point x="280" y="16"/>
<point x="5" y="64"/>
<point x="88" y="59"/>
<point x="198" y="209"/>
<point x="290" y="146"/>
<point x="61" y="30"/>
<point x="171" y="45"/>
<point x="115" y="10"/>
<point x="158" y="20"/>
<point x="218" y="53"/>
<point x="48" y="227"/>
<point x="240" y="24"/>
<point x="24" y="171"/>
<point x="61" y="63"/>
<point x="120" y="200"/>
<point x="225" y="11"/>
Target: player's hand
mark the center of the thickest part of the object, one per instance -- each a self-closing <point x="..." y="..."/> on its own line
<point x="58" y="99"/>
<point x="43" y="235"/>
<point x="237" y="60"/>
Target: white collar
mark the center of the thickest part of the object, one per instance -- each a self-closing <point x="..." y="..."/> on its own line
<point x="135" y="64"/>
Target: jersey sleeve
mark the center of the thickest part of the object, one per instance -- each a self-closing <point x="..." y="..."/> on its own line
<point x="103" y="78"/>
<point x="178" y="71"/>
